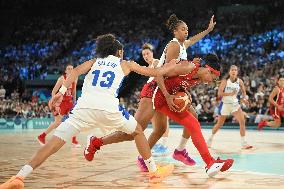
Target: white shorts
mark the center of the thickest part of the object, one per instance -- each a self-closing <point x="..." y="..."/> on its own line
<point x="86" y="119"/>
<point x="228" y="108"/>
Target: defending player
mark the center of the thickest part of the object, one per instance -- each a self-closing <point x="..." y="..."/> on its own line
<point x="159" y="121"/>
<point x="228" y="91"/>
<point x="98" y="107"/>
<point x="65" y="107"/>
<point x="276" y="99"/>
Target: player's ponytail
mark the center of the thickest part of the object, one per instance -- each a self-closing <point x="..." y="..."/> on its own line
<point x="173" y="22"/>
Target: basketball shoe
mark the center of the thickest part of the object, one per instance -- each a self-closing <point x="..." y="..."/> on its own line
<point x="183" y="157"/>
<point x="15" y="182"/>
<point x="75" y="143"/>
<point x="41" y="138"/>
<point x="141" y="164"/>
<point x="161" y="173"/>
<point x="215" y="166"/>
<point x="160" y="150"/>
<point x="93" y="144"/>
<point x="246" y="146"/>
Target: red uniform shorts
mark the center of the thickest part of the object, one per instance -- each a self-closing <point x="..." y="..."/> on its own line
<point x="64" y="108"/>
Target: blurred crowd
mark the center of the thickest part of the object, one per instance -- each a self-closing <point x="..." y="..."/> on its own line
<point x="249" y="36"/>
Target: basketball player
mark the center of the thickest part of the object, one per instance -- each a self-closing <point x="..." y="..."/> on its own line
<point x="98" y="107"/>
<point x="276" y="100"/>
<point x="64" y="108"/>
<point x="176" y="49"/>
<point x="159" y="120"/>
<point x="228" y="91"/>
<point x="182" y="76"/>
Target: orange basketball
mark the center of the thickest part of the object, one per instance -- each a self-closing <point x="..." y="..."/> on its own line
<point x="181" y="100"/>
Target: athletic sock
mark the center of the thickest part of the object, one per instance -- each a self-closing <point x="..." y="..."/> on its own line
<point x="211" y="137"/>
<point x="164" y="141"/>
<point x="182" y="144"/>
<point x="151" y="164"/>
<point x="25" y="171"/>
<point x="243" y="140"/>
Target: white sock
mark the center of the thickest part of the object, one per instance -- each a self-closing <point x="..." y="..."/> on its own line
<point x="243" y="140"/>
<point x="25" y="171"/>
<point x="164" y="141"/>
<point x="211" y="137"/>
<point x="151" y="164"/>
<point x="182" y="144"/>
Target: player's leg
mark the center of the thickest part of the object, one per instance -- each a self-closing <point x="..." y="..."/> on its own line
<point x="220" y="122"/>
<point x="275" y="123"/>
<point x="63" y="133"/>
<point x="191" y="123"/>
<point x="53" y="125"/>
<point x="239" y="116"/>
<point x="124" y="122"/>
<point x="185" y="133"/>
<point x="180" y="153"/>
<point x="224" y="110"/>
<point x="156" y="174"/>
<point x="143" y="116"/>
<point x="160" y="128"/>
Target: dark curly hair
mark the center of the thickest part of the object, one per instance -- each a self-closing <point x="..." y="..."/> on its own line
<point x="212" y="60"/>
<point x="107" y="45"/>
<point x="173" y="22"/>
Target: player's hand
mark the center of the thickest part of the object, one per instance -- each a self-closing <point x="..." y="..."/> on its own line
<point x="245" y="101"/>
<point x="234" y="92"/>
<point x="189" y="97"/>
<point x="196" y="60"/>
<point x="211" y="24"/>
<point x="171" y="104"/>
<point x="55" y="101"/>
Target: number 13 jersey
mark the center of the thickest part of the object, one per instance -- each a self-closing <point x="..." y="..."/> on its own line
<point x="101" y="85"/>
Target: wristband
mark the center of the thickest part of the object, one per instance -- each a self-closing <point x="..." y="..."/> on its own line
<point x="63" y="89"/>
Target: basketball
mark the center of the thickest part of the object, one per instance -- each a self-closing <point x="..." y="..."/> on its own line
<point x="181" y="100"/>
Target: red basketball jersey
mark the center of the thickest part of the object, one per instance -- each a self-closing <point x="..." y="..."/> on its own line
<point x="68" y="95"/>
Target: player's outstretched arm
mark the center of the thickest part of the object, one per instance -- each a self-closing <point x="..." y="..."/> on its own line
<point x="81" y="69"/>
<point x="176" y="68"/>
<point x="129" y="66"/>
<point x="57" y="86"/>
<point x="76" y="72"/>
<point x="191" y="41"/>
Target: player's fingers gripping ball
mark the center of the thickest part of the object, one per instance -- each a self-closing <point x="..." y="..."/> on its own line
<point x="181" y="100"/>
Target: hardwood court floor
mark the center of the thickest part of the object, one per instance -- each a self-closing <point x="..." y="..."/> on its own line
<point x="115" y="166"/>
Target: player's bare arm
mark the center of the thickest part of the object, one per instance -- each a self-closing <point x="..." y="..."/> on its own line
<point x="129" y="66"/>
<point x="221" y="88"/>
<point x="272" y="95"/>
<point x="244" y="93"/>
<point x="172" y="51"/>
<point x="191" y="41"/>
<point x="57" y="86"/>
